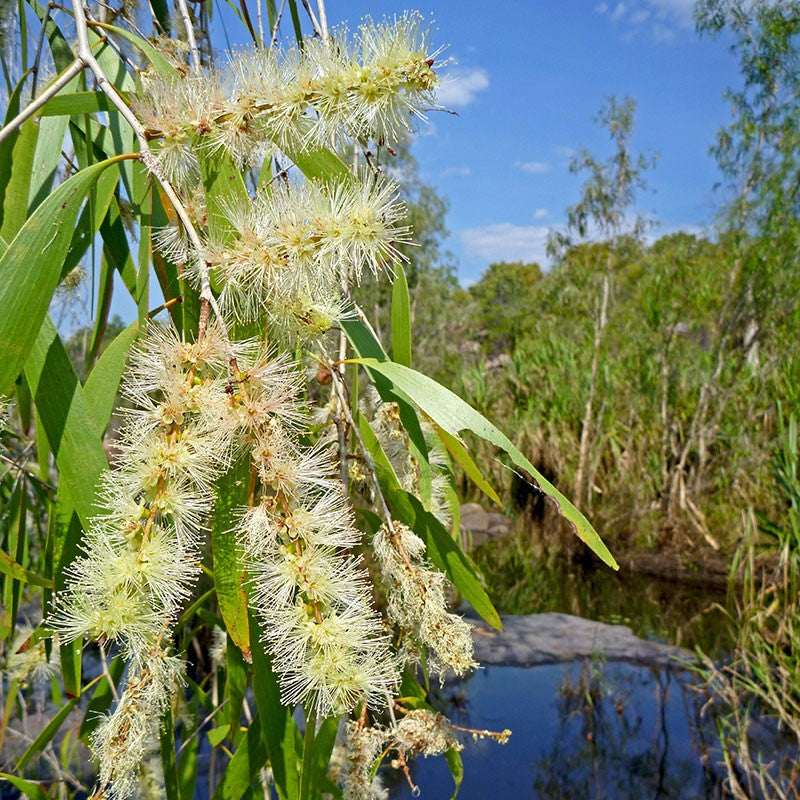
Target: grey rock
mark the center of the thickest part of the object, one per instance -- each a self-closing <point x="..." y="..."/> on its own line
<point x="480" y="526"/>
<point x="556" y="638"/>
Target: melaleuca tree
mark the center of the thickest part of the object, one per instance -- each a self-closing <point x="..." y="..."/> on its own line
<point x="279" y="507"/>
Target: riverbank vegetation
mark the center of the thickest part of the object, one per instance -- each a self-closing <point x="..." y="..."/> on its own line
<point x="652" y="376"/>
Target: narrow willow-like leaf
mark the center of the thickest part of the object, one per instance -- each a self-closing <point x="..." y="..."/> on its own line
<point x="104" y="380"/>
<point x="277" y="722"/>
<point x="161" y="64"/>
<point x="441" y="549"/>
<point x="11" y="526"/>
<point x="367" y="346"/>
<point x="249" y="758"/>
<point x="168" y="763"/>
<point x="73" y="103"/>
<point x="15" y="202"/>
<point x="401" y="318"/>
<point x="10" y="567"/>
<point x="456" y="767"/>
<point x="67" y="419"/>
<point x="229" y="572"/>
<point x="28" y="788"/>
<point x="453" y="415"/>
<point x="315" y="763"/>
<point x="47" y="159"/>
<point x="224" y="190"/>
<point x="25" y="293"/>
<point x="460" y="453"/>
<point x="46" y="735"/>
<point x="8" y="145"/>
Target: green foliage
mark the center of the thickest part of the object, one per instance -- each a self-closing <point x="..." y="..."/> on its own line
<point x="503" y="294"/>
<point x="67" y="522"/>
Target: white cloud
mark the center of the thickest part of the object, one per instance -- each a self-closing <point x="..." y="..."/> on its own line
<point x="541" y="213"/>
<point x="504" y="241"/>
<point x="601" y="8"/>
<point x="564" y="152"/>
<point x="680" y="11"/>
<point x="663" y="18"/>
<point x="460" y="86"/>
<point x="664" y="34"/>
<point x="534" y="167"/>
<point x="456" y="171"/>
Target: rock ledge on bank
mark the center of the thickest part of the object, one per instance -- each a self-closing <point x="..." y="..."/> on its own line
<point x="551" y="638"/>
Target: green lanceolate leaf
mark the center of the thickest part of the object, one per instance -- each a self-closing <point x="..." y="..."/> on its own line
<point x="441" y="549"/>
<point x="453" y="415"/>
<point x="401" y="319"/>
<point x="47" y="159"/>
<point x="229" y="572"/>
<point x="10" y="567"/>
<point x="103" y="383"/>
<point x="161" y="65"/>
<point x="225" y="190"/>
<point x="460" y="453"/>
<point x="456" y="767"/>
<point x="15" y="202"/>
<point x="8" y="146"/>
<point x="168" y="762"/>
<point x="30" y="269"/>
<point x="28" y="788"/>
<point x="367" y="346"/>
<point x="73" y="103"/>
<point x="67" y="420"/>
<point x="277" y="722"/>
<point x="47" y="733"/>
<point x="315" y="762"/>
<point x="249" y="758"/>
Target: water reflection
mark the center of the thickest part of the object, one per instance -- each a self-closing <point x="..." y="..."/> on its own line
<point x="582" y="731"/>
<point x="680" y="613"/>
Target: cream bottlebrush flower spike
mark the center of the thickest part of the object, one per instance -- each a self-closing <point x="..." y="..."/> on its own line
<point x="140" y="559"/>
<point x="373" y="88"/>
<point x="295" y="247"/>
<point x="417" y="603"/>
<point x="329" y="647"/>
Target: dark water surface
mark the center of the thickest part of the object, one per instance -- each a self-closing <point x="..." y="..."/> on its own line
<point x="597" y="730"/>
<point x="589" y="730"/>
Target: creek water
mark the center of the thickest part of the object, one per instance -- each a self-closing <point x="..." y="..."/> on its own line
<point x="591" y="729"/>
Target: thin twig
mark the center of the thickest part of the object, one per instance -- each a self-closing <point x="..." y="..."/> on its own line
<point x="106" y="672"/>
<point x="274" y="40"/>
<point x="183" y="8"/>
<point x="323" y="19"/>
<point x="314" y="22"/>
<point x="54" y="88"/>
<point x="86" y="57"/>
<point x="39" y="46"/>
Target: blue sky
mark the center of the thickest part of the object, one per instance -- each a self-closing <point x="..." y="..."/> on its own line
<point x="527" y="78"/>
<point x="528" y="81"/>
